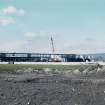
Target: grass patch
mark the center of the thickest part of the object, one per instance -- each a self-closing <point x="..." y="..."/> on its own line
<point x="14" y="67"/>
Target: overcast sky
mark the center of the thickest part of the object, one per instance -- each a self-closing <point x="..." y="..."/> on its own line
<point x="78" y="26"/>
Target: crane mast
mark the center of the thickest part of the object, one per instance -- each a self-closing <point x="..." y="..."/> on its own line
<point x="54" y="58"/>
<point x="52" y="44"/>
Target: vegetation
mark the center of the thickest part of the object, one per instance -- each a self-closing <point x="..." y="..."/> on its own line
<point x="14" y="67"/>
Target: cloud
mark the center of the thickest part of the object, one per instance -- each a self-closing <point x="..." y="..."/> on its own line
<point x="9" y="11"/>
<point x="31" y="35"/>
<point x="22" y="46"/>
<point x="89" y="39"/>
<point x="10" y="45"/>
<point x="83" y="48"/>
<point x="12" y="10"/>
<point x="5" y="22"/>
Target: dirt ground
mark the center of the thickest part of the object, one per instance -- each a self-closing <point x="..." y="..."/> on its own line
<point x="51" y="89"/>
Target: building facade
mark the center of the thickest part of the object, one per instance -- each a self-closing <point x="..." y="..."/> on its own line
<point x="41" y="57"/>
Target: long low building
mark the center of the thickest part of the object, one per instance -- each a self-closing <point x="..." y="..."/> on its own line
<point x="42" y="57"/>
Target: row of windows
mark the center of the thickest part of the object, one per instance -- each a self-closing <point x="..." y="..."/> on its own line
<point x="16" y="55"/>
<point x="36" y="55"/>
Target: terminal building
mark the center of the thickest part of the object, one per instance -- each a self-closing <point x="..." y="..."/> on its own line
<point x="42" y="57"/>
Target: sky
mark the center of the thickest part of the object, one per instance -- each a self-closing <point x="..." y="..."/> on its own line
<point x="77" y="26"/>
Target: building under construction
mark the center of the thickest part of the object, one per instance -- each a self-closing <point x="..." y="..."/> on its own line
<point x="43" y="57"/>
<point x="40" y="57"/>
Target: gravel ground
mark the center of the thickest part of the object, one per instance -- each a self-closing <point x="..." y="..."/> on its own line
<point x="51" y="89"/>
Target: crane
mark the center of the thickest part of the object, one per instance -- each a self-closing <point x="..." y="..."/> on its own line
<point x="54" y="58"/>
<point x="52" y="44"/>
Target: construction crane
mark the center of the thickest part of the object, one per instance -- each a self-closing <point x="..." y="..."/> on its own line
<point x="54" y="58"/>
<point x="52" y="44"/>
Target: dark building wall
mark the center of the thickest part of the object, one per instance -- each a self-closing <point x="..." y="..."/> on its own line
<point x="37" y="57"/>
